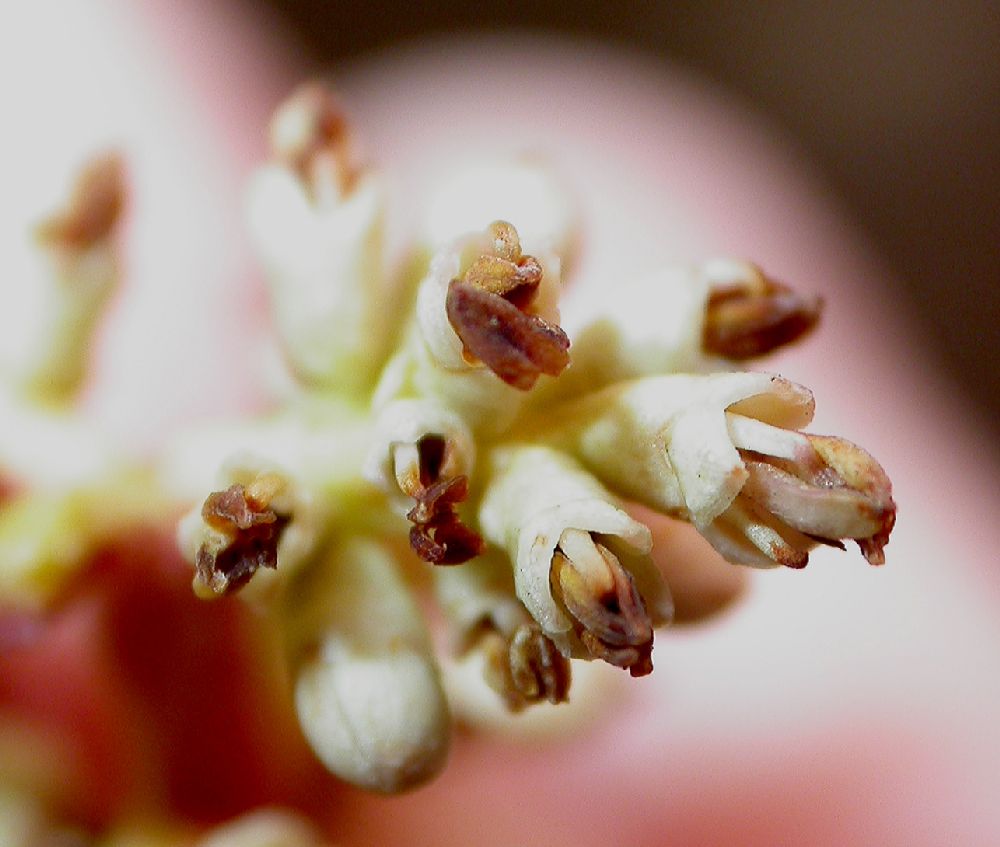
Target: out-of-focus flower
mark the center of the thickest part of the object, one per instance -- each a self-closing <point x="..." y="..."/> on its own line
<point x="74" y="269"/>
<point x="316" y="221"/>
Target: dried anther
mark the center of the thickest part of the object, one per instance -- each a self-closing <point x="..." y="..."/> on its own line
<point x="438" y="535"/>
<point x="515" y="283"/>
<point x="250" y="531"/>
<point x="517" y="347"/>
<point x="743" y="321"/>
<point x="94" y="208"/>
<point x="821" y="490"/>
<point x="310" y="134"/>
<point x="488" y="310"/>
<point x="526" y="668"/>
<point x="601" y="597"/>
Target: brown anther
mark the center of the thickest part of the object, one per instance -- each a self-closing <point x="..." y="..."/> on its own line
<point x="838" y="492"/>
<point x="607" y="608"/>
<point x="516" y="346"/>
<point x="744" y="322"/>
<point x="253" y="530"/>
<point x="94" y="207"/>
<point x="310" y="134"/>
<point x="859" y="471"/>
<point x="526" y="668"/>
<point x="438" y="535"/>
<point x="490" y="310"/>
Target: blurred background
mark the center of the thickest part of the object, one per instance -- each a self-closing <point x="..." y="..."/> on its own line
<point x="896" y="104"/>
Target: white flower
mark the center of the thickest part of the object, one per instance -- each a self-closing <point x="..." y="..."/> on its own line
<point x="447" y="393"/>
<point x="485" y="330"/>
<point x="546" y="512"/>
<point x="317" y="226"/>
<point x="690" y="446"/>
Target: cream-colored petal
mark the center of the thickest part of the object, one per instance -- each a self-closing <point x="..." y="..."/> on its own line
<point x="435" y="331"/>
<point x="331" y="298"/>
<point x="664" y="441"/>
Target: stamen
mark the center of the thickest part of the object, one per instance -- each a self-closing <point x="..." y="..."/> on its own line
<point x="517" y="347"/>
<point x="750" y="318"/>
<point x="812" y="509"/>
<point x="525" y="667"/>
<point x="822" y="487"/>
<point x="861" y="472"/>
<point x="779" y="543"/>
<point x="250" y="531"/>
<point x="601" y="596"/>
<point x="503" y="277"/>
<point x="438" y="535"/>
<point x="489" y="310"/>
<point x="94" y="208"/>
<point x="506" y="241"/>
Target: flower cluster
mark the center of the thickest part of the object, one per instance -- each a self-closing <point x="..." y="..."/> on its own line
<point x="441" y="416"/>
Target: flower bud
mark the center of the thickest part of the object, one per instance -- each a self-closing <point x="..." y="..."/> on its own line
<point x="367" y="689"/>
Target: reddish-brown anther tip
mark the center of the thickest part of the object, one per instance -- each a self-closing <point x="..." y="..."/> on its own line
<point x="255" y="530"/>
<point x="438" y="535"/>
<point x="537" y="671"/>
<point x="517" y="347"/>
<point x="94" y="207"/>
<point x="310" y="122"/>
<point x="744" y="324"/>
